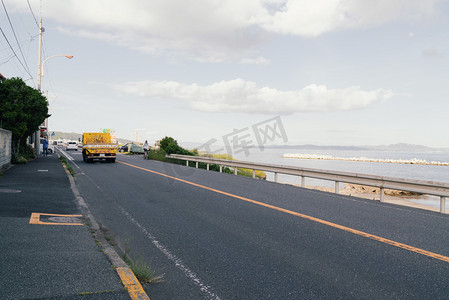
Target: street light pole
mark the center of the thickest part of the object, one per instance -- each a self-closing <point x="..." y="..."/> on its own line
<point x="37" y="133"/>
<point x="43" y="64"/>
<point x="40" y="74"/>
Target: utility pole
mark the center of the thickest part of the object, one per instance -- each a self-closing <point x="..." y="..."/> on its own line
<point x="39" y="71"/>
<point x="39" y="77"/>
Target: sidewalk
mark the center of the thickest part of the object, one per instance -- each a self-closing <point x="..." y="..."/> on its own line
<point x="49" y="261"/>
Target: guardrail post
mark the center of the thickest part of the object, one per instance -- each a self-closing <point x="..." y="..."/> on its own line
<point x="442" y="205"/>
<point x="196" y="165"/>
<point x="440" y="189"/>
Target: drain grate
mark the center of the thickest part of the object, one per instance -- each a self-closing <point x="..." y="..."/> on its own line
<point x="55" y="219"/>
<point x="64" y="220"/>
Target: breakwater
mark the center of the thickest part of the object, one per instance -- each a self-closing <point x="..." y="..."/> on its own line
<point x="413" y="161"/>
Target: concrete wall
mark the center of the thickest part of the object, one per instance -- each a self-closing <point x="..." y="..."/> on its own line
<point x="5" y="149"/>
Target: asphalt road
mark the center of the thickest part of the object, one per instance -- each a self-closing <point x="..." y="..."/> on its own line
<point x="48" y="262"/>
<point x="220" y="236"/>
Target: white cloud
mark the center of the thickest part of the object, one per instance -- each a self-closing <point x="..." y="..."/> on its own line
<point x="254" y="61"/>
<point x="244" y="96"/>
<point x="433" y="53"/>
<point x="202" y="30"/>
<point x="314" y="18"/>
<point x="224" y="30"/>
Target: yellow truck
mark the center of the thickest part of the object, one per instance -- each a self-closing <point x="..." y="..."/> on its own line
<point x="99" y="146"/>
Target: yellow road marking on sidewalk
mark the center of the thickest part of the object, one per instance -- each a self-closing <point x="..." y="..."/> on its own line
<point x="324" y="222"/>
<point x="127" y="276"/>
<point x="36" y="219"/>
<point x="131" y="283"/>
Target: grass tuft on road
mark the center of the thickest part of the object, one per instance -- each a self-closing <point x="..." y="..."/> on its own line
<point x="144" y="272"/>
<point x="67" y="165"/>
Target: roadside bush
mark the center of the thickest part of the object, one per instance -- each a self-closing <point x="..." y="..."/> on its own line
<point x="18" y="160"/>
<point x="170" y="146"/>
<point x="27" y="152"/>
<point x="157" y="155"/>
<point x="241" y="171"/>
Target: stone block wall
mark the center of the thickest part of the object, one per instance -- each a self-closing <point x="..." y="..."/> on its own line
<point x="5" y="149"/>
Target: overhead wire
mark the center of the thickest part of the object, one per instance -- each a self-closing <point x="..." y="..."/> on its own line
<point x="34" y="17"/>
<point x="28" y="43"/>
<point x="24" y="65"/>
<point x="35" y="21"/>
<point x="7" y="60"/>
<point x="15" y="54"/>
<point x="9" y="57"/>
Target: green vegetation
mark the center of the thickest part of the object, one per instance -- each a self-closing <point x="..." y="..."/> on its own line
<point x="24" y="154"/>
<point x="67" y="165"/>
<point x="144" y="272"/>
<point x="22" y="109"/>
<point x="94" y="293"/>
<point x="170" y="146"/>
<point x="157" y="155"/>
<point x="241" y="171"/>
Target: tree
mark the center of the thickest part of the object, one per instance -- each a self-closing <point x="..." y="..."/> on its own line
<point x="170" y="146"/>
<point x="22" y="110"/>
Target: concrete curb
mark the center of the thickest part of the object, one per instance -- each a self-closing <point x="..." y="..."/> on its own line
<point x="125" y="273"/>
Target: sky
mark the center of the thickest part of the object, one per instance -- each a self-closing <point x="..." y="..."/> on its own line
<point x="323" y="72"/>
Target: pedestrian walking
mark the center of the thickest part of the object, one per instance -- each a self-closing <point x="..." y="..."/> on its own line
<point x="45" y="146"/>
<point x="146" y="148"/>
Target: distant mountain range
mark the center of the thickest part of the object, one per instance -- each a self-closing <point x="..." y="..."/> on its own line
<point x="400" y="147"/>
<point x="73" y="136"/>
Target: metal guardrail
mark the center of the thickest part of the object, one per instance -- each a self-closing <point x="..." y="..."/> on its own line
<point x="440" y="189"/>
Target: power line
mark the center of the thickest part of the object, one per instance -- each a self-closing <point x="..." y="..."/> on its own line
<point x="6" y="52"/>
<point x="35" y="20"/>
<point x="12" y="49"/>
<point x="15" y="36"/>
<point x="7" y="60"/>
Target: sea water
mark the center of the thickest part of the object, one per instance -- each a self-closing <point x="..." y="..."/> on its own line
<point x="437" y="173"/>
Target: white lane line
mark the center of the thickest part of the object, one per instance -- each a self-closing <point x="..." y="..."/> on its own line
<point x="69" y="158"/>
<point x="75" y="152"/>
<point x="207" y="290"/>
<point x="66" y="155"/>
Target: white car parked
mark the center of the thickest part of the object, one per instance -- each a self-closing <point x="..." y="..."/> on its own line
<point x="71" y="145"/>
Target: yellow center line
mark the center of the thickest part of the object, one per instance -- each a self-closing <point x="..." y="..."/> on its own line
<point x="317" y="220"/>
